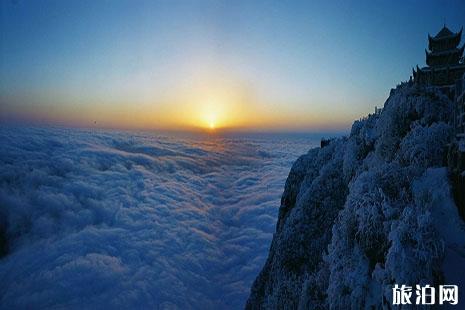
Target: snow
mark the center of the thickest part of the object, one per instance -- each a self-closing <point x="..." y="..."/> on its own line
<point x="449" y="225"/>
<point x="360" y="214"/>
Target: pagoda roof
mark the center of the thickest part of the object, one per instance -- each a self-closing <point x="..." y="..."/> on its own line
<point x="445" y="33"/>
<point x="443" y="67"/>
<point x="446" y="52"/>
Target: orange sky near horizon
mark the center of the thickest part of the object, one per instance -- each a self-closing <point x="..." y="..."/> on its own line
<point x="206" y="113"/>
<point x="202" y="104"/>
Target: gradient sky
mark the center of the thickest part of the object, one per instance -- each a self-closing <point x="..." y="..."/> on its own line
<point x="266" y="65"/>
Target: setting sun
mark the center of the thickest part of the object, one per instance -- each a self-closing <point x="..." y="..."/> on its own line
<point x="213" y="112"/>
<point x="211" y="120"/>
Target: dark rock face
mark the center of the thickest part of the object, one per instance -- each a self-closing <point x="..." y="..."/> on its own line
<point x="351" y="210"/>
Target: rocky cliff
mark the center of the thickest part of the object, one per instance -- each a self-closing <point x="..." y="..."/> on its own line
<point x="358" y="215"/>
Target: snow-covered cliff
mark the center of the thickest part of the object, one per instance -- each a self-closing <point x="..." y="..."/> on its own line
<point x="367" y="211"/>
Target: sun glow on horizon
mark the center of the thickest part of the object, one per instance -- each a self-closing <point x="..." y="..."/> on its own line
<point x="214" y="111"/>
<point x="211" y="120"/>
<point x="211" y="104"/>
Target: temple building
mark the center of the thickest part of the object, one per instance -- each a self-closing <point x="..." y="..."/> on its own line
<point x="444" y="59"/>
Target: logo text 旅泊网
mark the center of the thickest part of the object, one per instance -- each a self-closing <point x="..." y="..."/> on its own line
<point x="425" y="295"/>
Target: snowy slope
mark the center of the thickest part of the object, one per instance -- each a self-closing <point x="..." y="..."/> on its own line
<point x="360" y="214"/>
<point x="448" y="224"/>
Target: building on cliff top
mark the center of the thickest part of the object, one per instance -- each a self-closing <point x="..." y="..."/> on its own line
<point x="445" y="63"/>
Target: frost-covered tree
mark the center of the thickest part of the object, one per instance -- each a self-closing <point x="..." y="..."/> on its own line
<point x="352" y="222"/>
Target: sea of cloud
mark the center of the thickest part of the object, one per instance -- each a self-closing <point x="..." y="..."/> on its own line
<point x="136" y="220"/>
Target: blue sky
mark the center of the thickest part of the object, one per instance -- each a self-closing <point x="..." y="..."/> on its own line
<point x="300" y="65"/>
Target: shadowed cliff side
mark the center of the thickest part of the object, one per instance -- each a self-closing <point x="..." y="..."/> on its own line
<point x="355" y="215"/>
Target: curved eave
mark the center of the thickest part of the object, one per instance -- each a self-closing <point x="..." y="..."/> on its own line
<point x="435" y="41"/>
<point x="449" y="37"/>
<point x="445" y="53"/>
<point x="428" y="58"/>
<point x="454" y="39"/>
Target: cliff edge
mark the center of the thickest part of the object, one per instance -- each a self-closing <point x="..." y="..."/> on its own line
<point x="367" y="211"/>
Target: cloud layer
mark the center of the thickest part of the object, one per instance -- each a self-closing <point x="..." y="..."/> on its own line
<point x="134" y="219"/>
